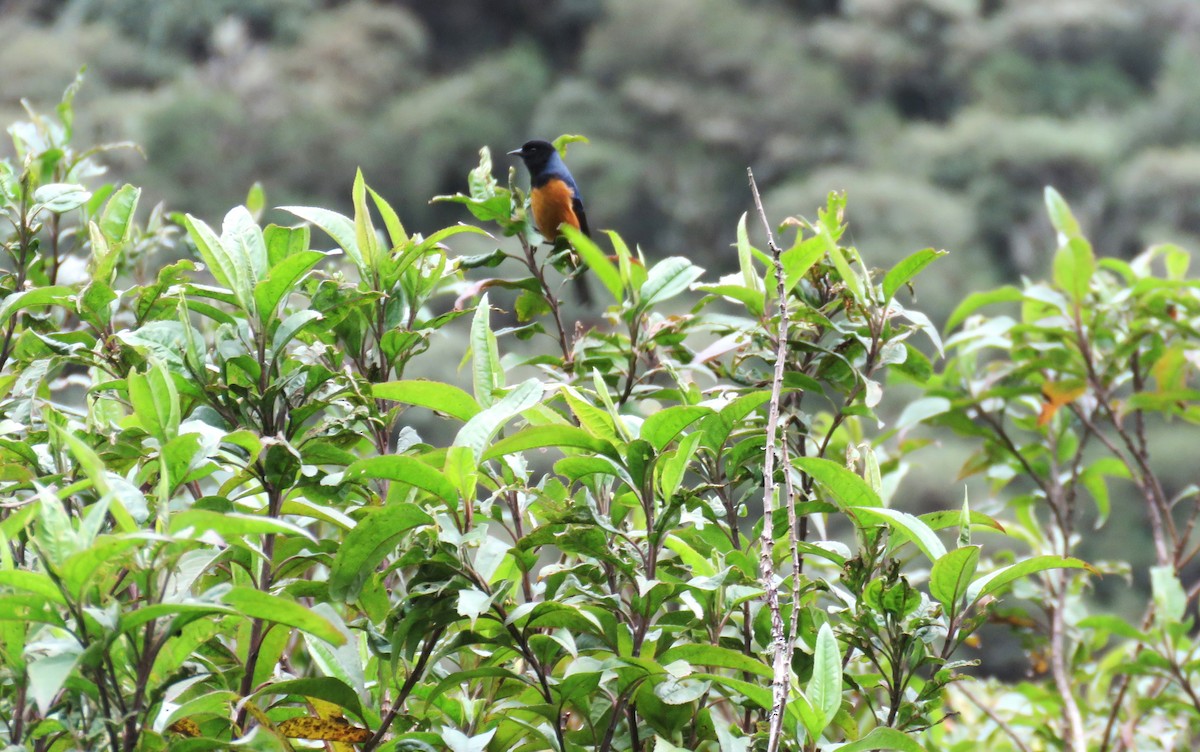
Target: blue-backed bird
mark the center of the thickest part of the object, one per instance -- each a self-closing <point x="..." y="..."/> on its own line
<point x="554" y="199"/>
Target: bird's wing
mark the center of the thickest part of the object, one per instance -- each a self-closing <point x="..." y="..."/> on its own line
<point x="577" y="206"/>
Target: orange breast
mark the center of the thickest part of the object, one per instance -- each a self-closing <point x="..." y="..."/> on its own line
<point x="553" y="204"/>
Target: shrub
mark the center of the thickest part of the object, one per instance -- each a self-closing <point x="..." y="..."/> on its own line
<point x="673" y="528"/>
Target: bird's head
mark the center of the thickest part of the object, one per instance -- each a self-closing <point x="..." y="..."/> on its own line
<point x="536" y="154"/>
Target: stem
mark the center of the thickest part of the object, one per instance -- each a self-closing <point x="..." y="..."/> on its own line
<point x="24" y="242"/>
<point x="53" y="274"/>
<point x="631" y="377"/>
<point x="522" y="644"/>
<point x="781" y="667"/>
<point x="410" y="682"/>
<point x="257" y="628"/>
<point x="551" y="298"/>
<point x="1073" y="733"/>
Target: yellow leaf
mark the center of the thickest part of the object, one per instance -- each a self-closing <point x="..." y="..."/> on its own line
<point x="1056" y="394"/>
<point x="324" y="729"/>
<point x="330" y="712"/>
<point x="185" y="727"/>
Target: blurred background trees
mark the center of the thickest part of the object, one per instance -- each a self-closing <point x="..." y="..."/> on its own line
<point x="969" y="106"/>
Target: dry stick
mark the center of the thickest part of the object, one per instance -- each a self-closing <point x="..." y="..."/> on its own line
<point x="782" y="657"/>
<point x="794" y="538"/>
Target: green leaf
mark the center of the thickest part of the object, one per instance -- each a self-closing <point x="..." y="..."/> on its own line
<point x="845" y="272"/>
<point x="290" y="327"/>
<point x="1074" y="265"/>
<point x="364" y="229"/>
<point x="482" y="428"/>
<point x="103" y="260"/>
<point x="256" y="200"/>
<point x="132" y="620"/>
<point x="461" y="469"/>
<point x="661" y="428"/>
<point x="847" y="488"/>
<point x="155" y="401"/>
<point x="541" y="437"/>
<point x="220" y="263"/>
<point x="38" y="296"/>
<point x="551" y="614"/>
<point x="256" y="604"/>
<point x="996" y="581"/>
<point x="880" y="738"/>
<point x="1114" y="624"/>
<point x="47" y="675"/>
<point x="824" y="690"/>
<point x="32" y="582"/>
<point x="674" y="465"/>
<point x="964" y="523"/>
<point x="282" y="280"/>
<point x="163" y="340"/>
<point x="921" y="409"/>
<point x="750" y="278"/>
<point x="117" y="221"/>
<point x="55" y="533"/>
<point x="596" y="260"/>
<point x="668" y="278"/>
<point x="713" y="655"/>
<point x="901" y="273"/>
<point x="951" y="575"/>
<point x="801" y="257"/>
<point x="391" y="221"/>
<point x="60" y="197"/>
<point x="406" y="470"/>
<point x="760" y="695"/>
<point x="717" y="428"/>
<point x="752" y="300"/>
<point x="461" y="678"/>
<point x="337" y="226"/>
<point x="283" y="242"/>
<point x="439" y="397"/>
<point x="232" y="526"/>
<point x="566" y="139"/>
<point x="327" y="688"/>
<point x="486" y="371"/>
<point x="1094" y="479"/>
<point x="953" y="517"/>
<point x="243" y="240"/>
<point x="373" y="538"/>
<point x="976" y="300"/>
<point x="921" y="534"/>
<point x="1170" y="600"/>
<point x="1060" y="215"/>
<point x="473" y="603"/>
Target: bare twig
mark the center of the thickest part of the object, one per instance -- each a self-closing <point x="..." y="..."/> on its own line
<point x="539" y="274"/>
<point x="794" y="537"/>
<point x="782" y="658"/>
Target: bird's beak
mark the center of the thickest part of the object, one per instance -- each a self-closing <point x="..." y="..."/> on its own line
<point x="516" y="152"/>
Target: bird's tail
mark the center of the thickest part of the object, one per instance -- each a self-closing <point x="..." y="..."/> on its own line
<point x="582" y="289"/>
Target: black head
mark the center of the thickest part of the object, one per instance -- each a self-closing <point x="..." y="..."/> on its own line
<point x="536" y="154"/>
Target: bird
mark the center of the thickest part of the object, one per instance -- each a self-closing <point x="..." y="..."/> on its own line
<point x="554" y="198"/>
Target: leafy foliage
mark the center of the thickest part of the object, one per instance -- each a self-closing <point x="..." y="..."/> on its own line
<point x="1062" y="397"/>
<point x="225" y="523"/>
